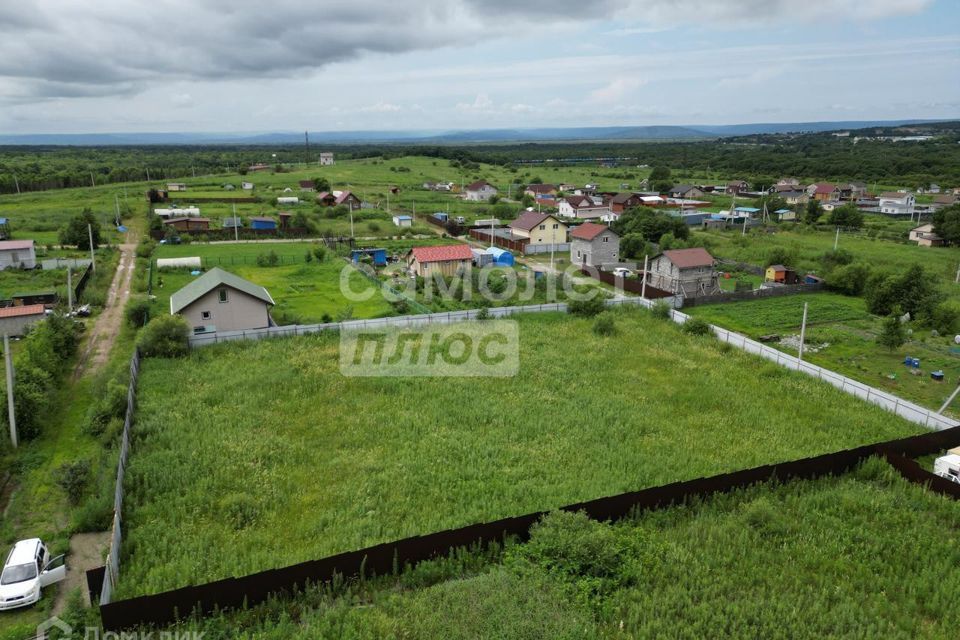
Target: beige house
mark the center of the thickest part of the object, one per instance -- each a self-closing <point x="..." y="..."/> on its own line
<point x="687" y="272"/>
<point x="222" y="301"/>
<point x="925" y="237"/>
<point x="539" y="228"/>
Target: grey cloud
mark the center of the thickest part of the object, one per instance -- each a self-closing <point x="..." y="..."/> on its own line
<point x="70" y="49"/>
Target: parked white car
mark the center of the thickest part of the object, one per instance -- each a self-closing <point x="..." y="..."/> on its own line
<point x="948" y="467"/>
<point x="621" y="272"/>
<point x="27" y="570"/>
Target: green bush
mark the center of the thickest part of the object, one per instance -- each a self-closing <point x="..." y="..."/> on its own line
<point x="320" y="253"/>
<point x="696" y="327"/>
<point x="138" y="313"/>
<point x="145" y="249"/>
<point x="604" y="324"/>
<point x="165" y="337"/>
<point x="660" y="310"/>
<point x="586" y="308"/>
<point x="73" y="477"/>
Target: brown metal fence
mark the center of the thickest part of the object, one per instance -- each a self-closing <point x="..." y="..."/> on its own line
<point x="626" y="284"/>
<point x="513" y="245"/>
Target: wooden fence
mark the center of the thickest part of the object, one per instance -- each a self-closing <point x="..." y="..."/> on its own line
<point x="513" y="245"/>
<point x="626" y="284"/>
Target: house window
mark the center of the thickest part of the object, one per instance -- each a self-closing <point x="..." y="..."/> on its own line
<point x="204" y="315"/>
<point x="606" y="238"/>
<point x="222" y="293"/>
<point x="556" y="226"/>
<point x="579" y="255"/>
<point x="543" y="227"/>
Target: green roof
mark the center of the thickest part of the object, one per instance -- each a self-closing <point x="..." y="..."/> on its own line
<point x="209" y="281"/>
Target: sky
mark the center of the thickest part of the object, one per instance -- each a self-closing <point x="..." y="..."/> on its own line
<point x="68" y="66"/>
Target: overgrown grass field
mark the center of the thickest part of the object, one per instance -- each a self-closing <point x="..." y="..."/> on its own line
<point x="233" y="442"/>
<point x="866" y="555"/>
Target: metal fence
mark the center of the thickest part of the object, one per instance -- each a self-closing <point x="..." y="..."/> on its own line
<point x="903" y="408"/>
<point x="112" y="567"/>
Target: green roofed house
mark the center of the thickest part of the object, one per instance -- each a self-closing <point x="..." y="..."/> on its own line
<point x="222" y="301"/>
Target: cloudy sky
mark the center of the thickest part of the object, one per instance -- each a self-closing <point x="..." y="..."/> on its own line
<point x="68" y="66"/>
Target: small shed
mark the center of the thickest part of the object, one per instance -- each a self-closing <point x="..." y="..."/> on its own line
<point x="501" y="257"/>
<point x="440" y="215"/>
<point x="780" y="274"/>
<point x="233" y="222"/>
<point x="481" y="258"/>
<point x="379" y="256"/>
<point x="14" y="321"/>
<point x="403" y="221"/>
<point x="262" y="222"/>
<point x="34" y="297"/>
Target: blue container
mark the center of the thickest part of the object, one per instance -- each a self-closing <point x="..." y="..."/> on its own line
<point x="908" y="361"/>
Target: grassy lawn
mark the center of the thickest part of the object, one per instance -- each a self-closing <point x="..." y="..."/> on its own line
<point x="365" y="460"/>
<point x="807" y="246"/>
<point x="850" y="332"/>
<point x="754" y="563"/>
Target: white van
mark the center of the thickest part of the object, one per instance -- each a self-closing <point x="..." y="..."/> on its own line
<point x="27" y="570"/>
<point x="948" y="467"/>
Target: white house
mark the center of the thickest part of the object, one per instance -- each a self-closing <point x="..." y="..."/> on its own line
<point x="403" y="221"/>
<point x="326" y="159"/>
<point x="176" y="186"/>
<point x="246" y="186"/>
<point x="582" y="207"/>
<point x="897" y="203"/>
<point x="17" y="254"/>
<point x="479" y="191"/>
<point x="288" y="200"/>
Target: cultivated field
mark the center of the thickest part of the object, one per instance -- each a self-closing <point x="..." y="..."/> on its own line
<point x="232" y="442"/>
<point x="849" y="332"/>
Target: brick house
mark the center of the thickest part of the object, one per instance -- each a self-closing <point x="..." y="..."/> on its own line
<point x="687" y="272"/>
<point x="594" y="245"/>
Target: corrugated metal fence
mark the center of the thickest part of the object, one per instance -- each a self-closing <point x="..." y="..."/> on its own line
<point x="112" y="572"/>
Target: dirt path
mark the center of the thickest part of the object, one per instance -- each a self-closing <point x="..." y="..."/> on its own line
<point x="86" y="552"/>
<point x="107" y="325"/>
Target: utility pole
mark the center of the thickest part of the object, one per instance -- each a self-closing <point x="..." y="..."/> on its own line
<point x="147" y="169"/>
<point x="93" y="261"/>
<point x="69" y="288"/>
<point x="643" y="286"/>
<point x="957" y="279"/>
<point x="836" y="240"/>
<point x="93" y="182"/>
<point x="11" y="413"/>
<point x="306" y="147"/>
<point x="17" y="183"/>
<point x="803" y="331"/>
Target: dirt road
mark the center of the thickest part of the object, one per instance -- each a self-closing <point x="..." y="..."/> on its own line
<point x="107" y="325"/>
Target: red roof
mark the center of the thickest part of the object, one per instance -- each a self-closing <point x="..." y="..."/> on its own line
<point x="443" y="253"/>
<point x="476" y="186"/>
<point x="578" y="201"/>
<point x="344" y="196"/>
<point x="28" y="310"/>
<point x="13" y="245"/>
<point x="306" y="184"/>
<point x="825" y="187"/>
<point x="687" y="258"/>
<point x="542" y="188"/>
<point x="588" y="231"/>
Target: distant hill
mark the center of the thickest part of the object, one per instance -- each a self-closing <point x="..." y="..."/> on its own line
<point x="478" y="136"/>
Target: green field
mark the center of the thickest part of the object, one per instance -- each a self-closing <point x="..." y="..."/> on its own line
<point x="807" y="246"/>
<point x="850" y="332"/>
<point x="365" y="460"/>
<point x="827" y="558"/>
<point x="304" y="292"/>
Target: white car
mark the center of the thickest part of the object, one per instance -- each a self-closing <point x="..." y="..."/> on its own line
<point x="27" y="570"/>
<point x="621" y="272"/>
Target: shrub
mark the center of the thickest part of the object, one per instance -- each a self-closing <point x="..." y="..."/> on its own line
<point x="945" y="317"/>
<point x="604" y="325"/>
<point x="586" y="308"/>
<point x="73" y="477"/>
<point x="483" y="313"/>
<point x="268" y="260"/>
<point x="894" y="334"/>
<point x="165" y="337"/>
<point x="308" y="257"/>
<point x="696" y="327"/>
<point x="138" y="313"/>
<point x="320" y="253"/>
<point x="373" y="227"/>
<point x="145" y="249"/>
<point x="660" y="310"/>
